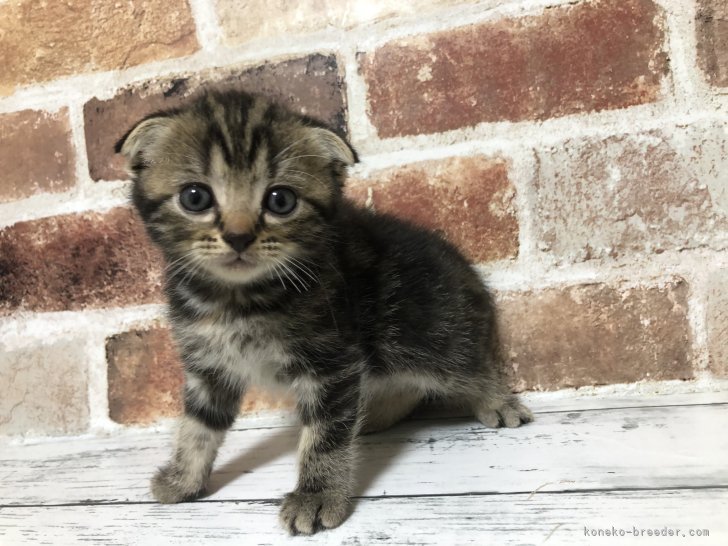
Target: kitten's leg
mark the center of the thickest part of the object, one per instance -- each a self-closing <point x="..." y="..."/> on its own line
<point x="385" y="408"/>
<point x="495" y="406"/>
<point x="211" y="406"/>
<point x="510" y="413"/>
<point x="331" y="421"/>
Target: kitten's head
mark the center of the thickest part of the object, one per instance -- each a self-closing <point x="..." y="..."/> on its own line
<point x="235" y="186"/>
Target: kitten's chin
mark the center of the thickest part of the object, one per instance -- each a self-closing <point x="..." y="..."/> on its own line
<point x="238" y="270"/>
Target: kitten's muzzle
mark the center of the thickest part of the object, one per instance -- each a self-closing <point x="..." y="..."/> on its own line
<point x="239" y="241"/>
<point x="239" y="261"/>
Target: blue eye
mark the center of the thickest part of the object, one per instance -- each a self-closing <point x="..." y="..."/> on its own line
<point x="281" y="201"/>
<point x="195" y="198"/>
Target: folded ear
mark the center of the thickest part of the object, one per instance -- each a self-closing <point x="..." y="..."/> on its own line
<point x="143" y="135"/>
<point x="334" y="147"/>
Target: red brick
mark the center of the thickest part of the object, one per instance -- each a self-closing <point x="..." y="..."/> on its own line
<point x="711" y="26"/>
<point x="145" y="379"/>
<point x="310" y="85"/>
<point x="469" y="199"/>
<point x="595" y="334"/>
<point x="40" y="41"/>
<point x="145" y="376"/>
<point x="44" y="389"/>
<point x="77" y="261"/>
<point x="630" y="194"/>
<point x="717" y="322"/>
<point x="36" y="154"/>
<point x="586" y="57"/>
<point x="282" y="18"/>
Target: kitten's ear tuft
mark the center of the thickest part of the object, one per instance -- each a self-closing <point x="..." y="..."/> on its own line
<point x="335" y="147"/>
<point x="142" y="135"/>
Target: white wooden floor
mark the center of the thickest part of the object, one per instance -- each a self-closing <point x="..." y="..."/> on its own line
<point x="582" y="467"/>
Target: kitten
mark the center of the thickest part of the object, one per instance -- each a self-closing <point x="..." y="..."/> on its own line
<point x="275" y="279"/>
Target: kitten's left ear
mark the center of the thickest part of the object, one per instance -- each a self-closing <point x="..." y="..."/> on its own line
<point x="334" y="147"/>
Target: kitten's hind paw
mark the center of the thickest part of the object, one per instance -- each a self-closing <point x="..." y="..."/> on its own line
<point x="307" y="513"/>
<point x="511" y="413"/>
<point x="170" y="486"/>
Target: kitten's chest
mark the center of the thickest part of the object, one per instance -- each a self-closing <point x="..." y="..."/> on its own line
<point x="246" y="349"/>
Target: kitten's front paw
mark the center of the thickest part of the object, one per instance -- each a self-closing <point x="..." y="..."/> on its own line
<point x="307" y="513"/>
<point x="510" y="413"/>
<point x="170" y="486"/>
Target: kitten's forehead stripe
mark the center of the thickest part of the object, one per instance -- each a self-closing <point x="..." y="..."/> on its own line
<point x="220" y="132"/>
<point x="220" y="126"/>
<point x="216" y="161"/>
<point x="224" y="123"/>
<point x="243" y="111"/>
<point x="255" y="115"/>
<point x="260" y="137"/>
<point x="216" y="139"/>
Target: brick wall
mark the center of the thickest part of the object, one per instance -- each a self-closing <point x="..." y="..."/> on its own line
<point x="576" y="150"/>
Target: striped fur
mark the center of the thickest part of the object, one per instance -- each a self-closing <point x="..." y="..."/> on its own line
<point x="360" y="315"/>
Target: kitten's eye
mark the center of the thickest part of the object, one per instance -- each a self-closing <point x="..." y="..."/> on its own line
<point x="195" y="198"/>
<point x="281" y="201"/>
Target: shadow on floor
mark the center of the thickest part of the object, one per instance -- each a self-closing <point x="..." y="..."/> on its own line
<point x="381" y="450"/>
<point x="378" y="452"/>
<point x="263" y="452"/>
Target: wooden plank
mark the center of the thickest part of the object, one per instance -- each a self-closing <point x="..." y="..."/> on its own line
<point x="493" y="519"/>
<point x="611" y="449"/>
<point x="550" y="402"/>
<point x="546" y="402"/>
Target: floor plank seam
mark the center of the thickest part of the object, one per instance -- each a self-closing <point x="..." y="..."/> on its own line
<point x="276" y="501"/>
<point x="590" y="410"/>
<point x="31" y="442"/>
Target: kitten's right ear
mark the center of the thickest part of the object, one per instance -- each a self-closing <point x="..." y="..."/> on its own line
<point x="335" y="148"/>
<point x="143" y="135"/>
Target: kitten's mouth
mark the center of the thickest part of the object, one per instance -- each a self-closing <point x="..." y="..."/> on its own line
<point x="238" y="262"/>
<point x="236" y="269"/>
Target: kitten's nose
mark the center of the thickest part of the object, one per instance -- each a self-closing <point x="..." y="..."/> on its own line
<point x="239" y="241"/>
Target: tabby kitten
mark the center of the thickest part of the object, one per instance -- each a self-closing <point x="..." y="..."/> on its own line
<point x="275" y="279"/>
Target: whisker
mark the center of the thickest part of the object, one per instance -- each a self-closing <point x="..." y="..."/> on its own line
<point x="181" y="258"/>
<point x="303" y="268"/>
<point x="197" y="266"/>
<point x="288" y="272"/>
<point x="275" y="270"/>
<point x="177" y="269"/>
